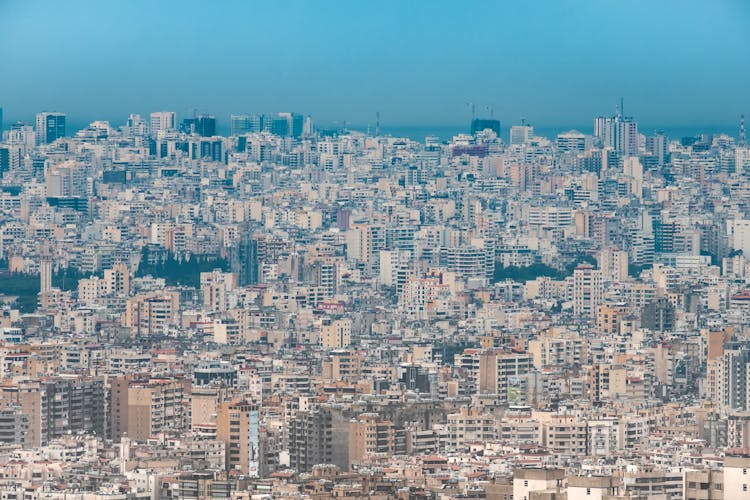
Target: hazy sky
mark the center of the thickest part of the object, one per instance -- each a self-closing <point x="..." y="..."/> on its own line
<point x="676" y="62"/>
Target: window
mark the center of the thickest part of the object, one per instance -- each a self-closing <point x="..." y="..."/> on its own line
<point x="588" y="491"/>
<point x="525" y="484"/>
<point x="744" y="487"/>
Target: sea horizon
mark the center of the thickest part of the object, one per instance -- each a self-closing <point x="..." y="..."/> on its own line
<point x="445" y="132"/>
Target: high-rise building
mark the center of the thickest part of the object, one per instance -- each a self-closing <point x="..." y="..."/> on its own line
<point x="707" y="484"/>
<point x="364" y="242"/>
<point x="617" y="132"/>
<point x="605" y="129"/>
<point x="256" y="122"/>
<point x="480" y="124"/>
<point x="742" y="160"/>
<point x="144" y="408"/>
<point x="571" y="141"/>
<point x="658" y="315"/>
<point x="370" y="434"/>
<point x="321" y="273"/>
<point x="189" y="125"/>
<point x="203" y="125"/>
<point x="627" y="137"/>
<point x="738" y="235"/>
<point x="215" y="286"/>
<point x="58" y="406"/>
<point x="22" y="134"/>
<point x="238" y="426"/>
<point x="498" y="368"/>
<point x="163" y="120"/>
<point x="520" y="134"/>
<point x="117" y="280"/>
<point x="45" y="275"/>
<point x="298" y="125"/>
<point x="395" y="268"/>
<point x="206" y="126"/>
<point x="470" y="424"/>
<point x="240" y="124"/>
<point x="556" y="348"/>
<point x="343" y="365"/>
<point x="204" y="402"/>
<point x="280" y="125"/>
<point x="5" y="155"/>
<point x="614" y="264"/>
<point x="151" y="314"/>
<point x="733" y="377"/>
<point x="664" y="235"/>
<point x="14" y="425"/>
<point x="318" y="436"/>
<point x="468" y="260"/>
<point x="286" y="124"/>
<point x="135" y="126"/>
<point x="244" y="260"/>
<point x="50" y="126"/>
<point x="66" y="179"/>
<point x="587" y="290"/>
<point x="205" y="147"/>
<point x="336" y="333"/>
<point x="307" y="126"/>
<point x="658" y="146"/>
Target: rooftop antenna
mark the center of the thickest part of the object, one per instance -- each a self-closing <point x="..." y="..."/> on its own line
<point x="377" y="123"/>
<point x="622" y="107"/>
<point x="523" y="121"/>
<point x="742" y="130"/>
<point x="491" y="111"/>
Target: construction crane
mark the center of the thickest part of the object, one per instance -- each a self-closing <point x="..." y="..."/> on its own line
<point x="473" y="110"/>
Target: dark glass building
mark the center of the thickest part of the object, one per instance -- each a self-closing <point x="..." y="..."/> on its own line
<point x="203" y="125"/>
<point x="658" y="315"/>
<point x="479" y="124"/>
<point x="49" y="127"/>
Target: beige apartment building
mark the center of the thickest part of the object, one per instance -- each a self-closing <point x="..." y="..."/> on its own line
<point x="237" y="425"/>
<point x="370" y="434"/>
<point x="336" y="333"/>
<point x="143" y="408"/>
<point x="151" y="314"/>
<point x="497" y="368"/>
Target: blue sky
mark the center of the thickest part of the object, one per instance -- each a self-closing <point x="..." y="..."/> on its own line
<point x="676" y="62"/>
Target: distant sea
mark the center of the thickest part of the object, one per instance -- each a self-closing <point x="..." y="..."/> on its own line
<point x="446" y="132"/>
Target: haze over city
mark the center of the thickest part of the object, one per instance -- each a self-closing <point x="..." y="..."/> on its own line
<point x="337" y="250"/>
<point x="678" y="64"/>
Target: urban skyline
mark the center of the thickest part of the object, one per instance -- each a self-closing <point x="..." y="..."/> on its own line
<point x="554" y="62"/>
<point x="418" y="131"/>
<point x="394" y="250"/>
